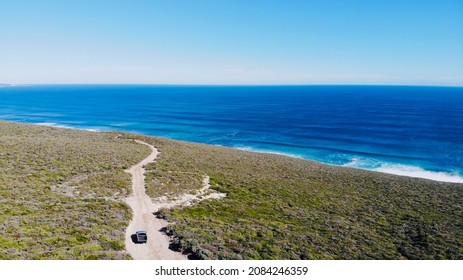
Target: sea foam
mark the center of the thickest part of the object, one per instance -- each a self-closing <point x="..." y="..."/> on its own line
<point x="52" y="124"/>
<point x="403" y="170"/>
<point x="264" y="151"/>
<point x="417" y="172"/>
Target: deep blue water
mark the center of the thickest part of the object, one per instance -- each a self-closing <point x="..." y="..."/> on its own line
<point x="415" y="131"/>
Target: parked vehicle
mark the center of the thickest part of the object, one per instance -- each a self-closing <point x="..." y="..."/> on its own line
<point x="142" y="237"/>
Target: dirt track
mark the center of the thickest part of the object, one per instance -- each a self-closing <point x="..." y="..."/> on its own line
<point x="157" y="247"/>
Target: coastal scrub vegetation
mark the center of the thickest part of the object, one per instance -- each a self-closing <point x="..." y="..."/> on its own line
<point x="61" y="192"/>
<point x="61" y="197"/>
<point x="284" y="208"/>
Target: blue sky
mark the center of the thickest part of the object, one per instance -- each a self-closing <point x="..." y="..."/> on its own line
<point x="232" y="41"/>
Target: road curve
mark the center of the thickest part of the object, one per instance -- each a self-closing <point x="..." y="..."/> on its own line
<point x="157" y="247"/>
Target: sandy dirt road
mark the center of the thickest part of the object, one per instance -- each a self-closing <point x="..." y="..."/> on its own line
<point x="157" y="247"/>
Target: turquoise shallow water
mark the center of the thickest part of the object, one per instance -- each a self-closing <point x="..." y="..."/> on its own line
<point x="413" y="131"/>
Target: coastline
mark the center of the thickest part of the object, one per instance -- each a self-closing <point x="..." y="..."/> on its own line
<point x="274" y="207"/>
<point x="377" y="128"/>
<point x="393" y="169"/>
<point x="387" y="168"/>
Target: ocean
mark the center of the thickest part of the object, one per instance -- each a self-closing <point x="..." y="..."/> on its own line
<point x="405" y="130"/>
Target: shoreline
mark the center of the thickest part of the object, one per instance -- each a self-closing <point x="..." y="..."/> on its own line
<point x="410" y="171"/>
<point x="301" y="209"/>
<point x="387" y="168"/>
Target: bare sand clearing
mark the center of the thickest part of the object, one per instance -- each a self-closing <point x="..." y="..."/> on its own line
<point x="157" y="247"/>
<point x="188" y="199"/>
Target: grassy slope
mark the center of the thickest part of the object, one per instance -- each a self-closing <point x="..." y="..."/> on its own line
<point x="283" y="208"/>
<point x="53" y="185"/>
<point x="61" y="191"/>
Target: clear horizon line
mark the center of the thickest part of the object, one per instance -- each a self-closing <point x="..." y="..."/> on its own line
<point x="231" y="85"/>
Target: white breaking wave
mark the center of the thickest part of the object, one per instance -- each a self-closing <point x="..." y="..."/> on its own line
<point x="417" y="172"/>
<point x="52" y="124"/>
<point x="250" y="149"/>
<point x="404" y="170"/>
